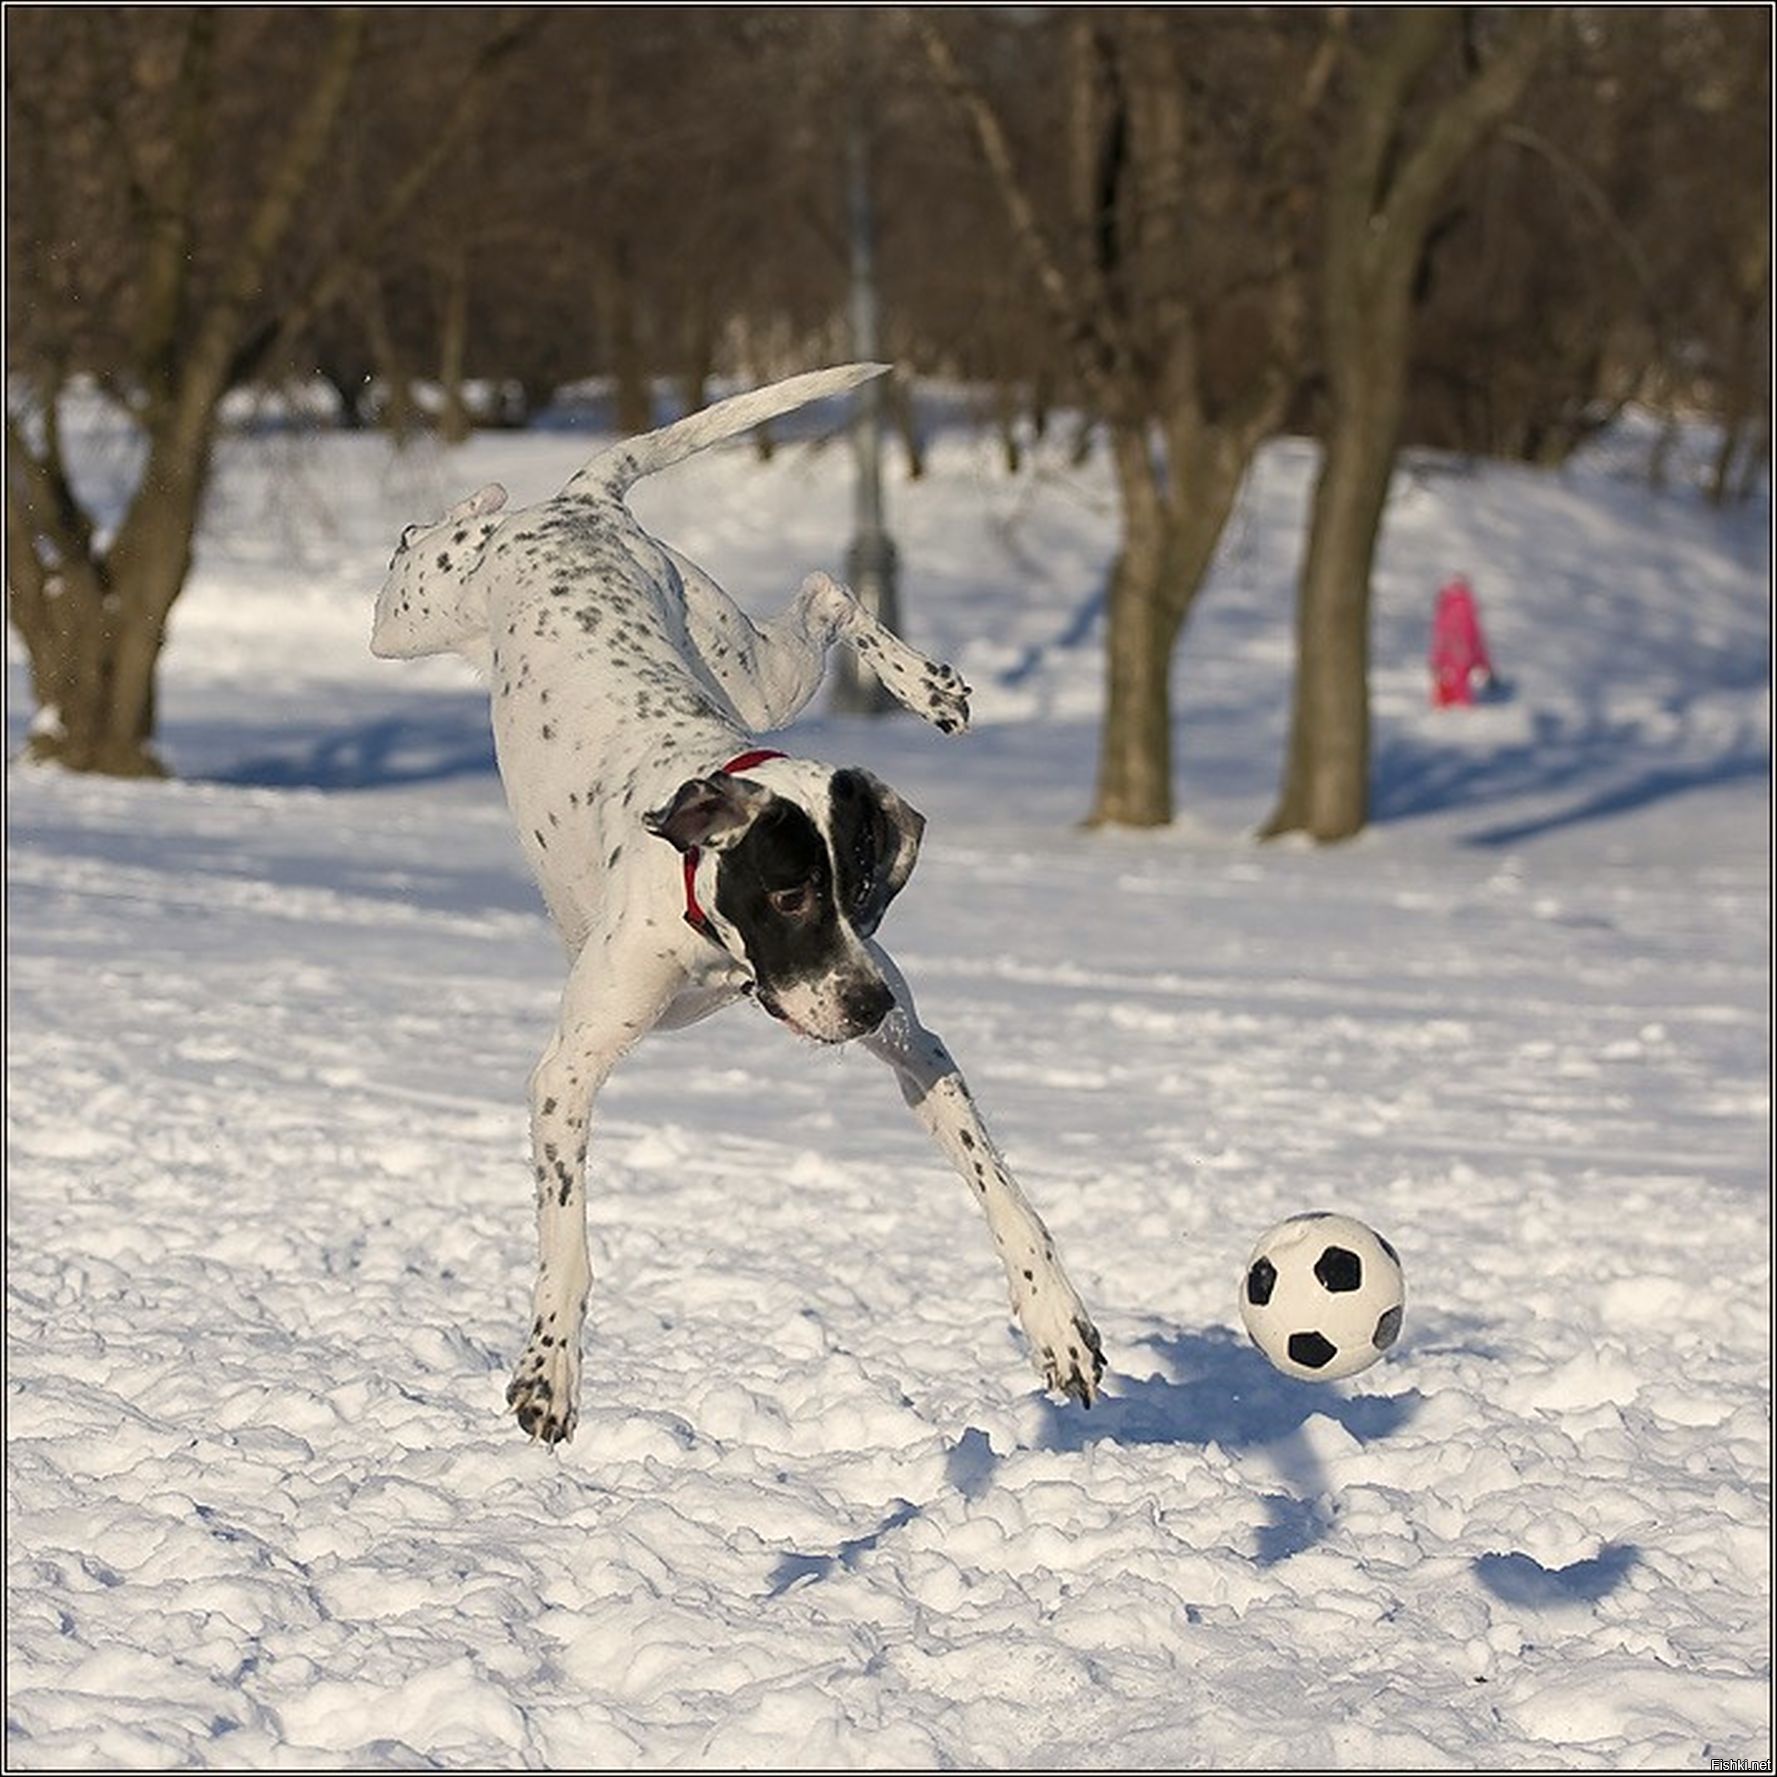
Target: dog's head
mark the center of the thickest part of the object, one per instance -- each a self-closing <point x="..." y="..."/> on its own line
<point x="796" y="867"/>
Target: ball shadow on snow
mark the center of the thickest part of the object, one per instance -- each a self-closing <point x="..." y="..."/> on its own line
<point x="1522" y="1580"/>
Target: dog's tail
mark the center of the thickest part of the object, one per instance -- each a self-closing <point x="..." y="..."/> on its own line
<point x="618" y="469"/>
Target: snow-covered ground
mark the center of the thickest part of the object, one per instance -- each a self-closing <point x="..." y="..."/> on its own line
<point x="270" y="1239"/>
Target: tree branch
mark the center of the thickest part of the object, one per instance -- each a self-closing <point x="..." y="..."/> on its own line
<point x="45" y="499"/>
<point x="1600" y="205"/>
<point x="1084" y="333"/>
<point x="276" y="338"/>
<point x="1462" y="120"/>
<point x="218" y="335"/>
<point x="1385" y="76"/>
<point x="167" y="216"/>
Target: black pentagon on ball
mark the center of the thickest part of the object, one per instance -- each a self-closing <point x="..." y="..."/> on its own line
<point x="1387" y="1246"/>
<point x="1339" y="1269"/>
<point x="1313" y="1351"/>
<point x="1388" y="1328"/>
<point x="1261" y="1280"/>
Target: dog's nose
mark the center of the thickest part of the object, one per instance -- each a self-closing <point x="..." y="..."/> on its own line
<point x="866" y="1004"/>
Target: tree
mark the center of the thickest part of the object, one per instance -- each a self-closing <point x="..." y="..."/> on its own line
<point x="164" y="183"/>
<point x="1181" y="232"/>
<point x="1396" y="147"/>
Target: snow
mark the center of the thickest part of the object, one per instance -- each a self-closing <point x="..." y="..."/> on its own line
<point x="270" y="1240"/>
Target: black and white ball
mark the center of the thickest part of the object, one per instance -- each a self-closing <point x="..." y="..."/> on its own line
<point x="1322" y="1296"/>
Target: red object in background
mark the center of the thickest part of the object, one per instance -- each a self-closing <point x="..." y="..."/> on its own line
<point x="1459" y="659"/>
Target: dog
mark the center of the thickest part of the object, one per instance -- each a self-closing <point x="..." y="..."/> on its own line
<point x="685" y="866"/>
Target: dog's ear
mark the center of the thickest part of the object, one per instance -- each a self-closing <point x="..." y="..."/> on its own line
<point x="710" y="812"/>
<point x="876" y="835"/>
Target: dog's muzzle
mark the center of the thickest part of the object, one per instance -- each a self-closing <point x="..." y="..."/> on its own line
<point x="861" y="1008"/>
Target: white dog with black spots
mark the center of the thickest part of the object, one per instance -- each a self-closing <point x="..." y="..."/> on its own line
<point x="685" y="866"/>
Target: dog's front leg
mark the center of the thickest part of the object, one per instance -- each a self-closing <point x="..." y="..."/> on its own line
<point x="606" y="1008"/>
<point x="1064" y="1342"/>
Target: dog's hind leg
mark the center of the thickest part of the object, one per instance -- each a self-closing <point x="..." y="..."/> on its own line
<point x="770" y="670"/>
<point x="1064" y="1343"/>
<point x="607" y="1006"/>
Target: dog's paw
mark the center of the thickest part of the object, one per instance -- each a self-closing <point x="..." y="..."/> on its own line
<point x="1064" y="1343"/>
<point x="948" y="699"/>
<point x="1078" y="1367"/>
<point x="931" y="690"/>
<point x="544" y="1393"/>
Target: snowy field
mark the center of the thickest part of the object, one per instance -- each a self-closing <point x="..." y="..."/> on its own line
<point x="270" y="1239"/>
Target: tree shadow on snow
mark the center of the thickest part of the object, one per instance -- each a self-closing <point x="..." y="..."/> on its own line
<point x="448" y="739"/>
<point x="1603" y="768"/>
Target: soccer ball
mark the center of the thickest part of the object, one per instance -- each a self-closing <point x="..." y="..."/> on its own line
<point x="1322" y="1296"/>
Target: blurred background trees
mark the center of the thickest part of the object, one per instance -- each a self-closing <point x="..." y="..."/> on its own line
<point x="1118" y="219"/>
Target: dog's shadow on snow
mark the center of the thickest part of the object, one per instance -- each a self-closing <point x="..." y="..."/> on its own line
<point x="1203" y="1388"/>
<point x="1211" y="1387"/>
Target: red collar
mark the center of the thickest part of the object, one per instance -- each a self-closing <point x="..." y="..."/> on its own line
<point x="695" y="917"/>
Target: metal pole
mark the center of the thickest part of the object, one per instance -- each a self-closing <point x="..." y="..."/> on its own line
<point x="870" y="562"/>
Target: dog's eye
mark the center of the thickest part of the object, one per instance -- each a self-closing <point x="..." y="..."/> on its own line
<point x="792" y="901"/>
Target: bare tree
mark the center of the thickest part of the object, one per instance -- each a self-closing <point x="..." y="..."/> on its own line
<point x="180" y="203"/>
<point x="1180" y="218"/>
<point x="1395" y="151"/>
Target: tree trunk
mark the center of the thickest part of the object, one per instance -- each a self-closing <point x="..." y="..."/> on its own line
<point x="1135" y="753"/>
<point x="1734" y="429"/>
<point x="1170" y="532"/>
<point x="700" y="355"/>
<point x="93" y="669"/>
<point x="904" y="417"/>
<point x="1755" y="456"/>
<point x="1005" y="413"/>
<point x="70" y="627"/>
<point x="399" y="417"/>
<point x="1379" y="203"/>
<point x="635" y="405"/>
<point x="1326" y="783"/>
<point x="454" y="421"/>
